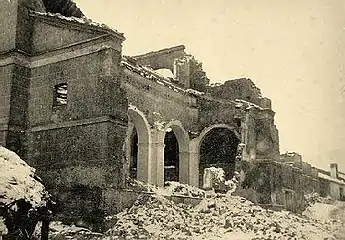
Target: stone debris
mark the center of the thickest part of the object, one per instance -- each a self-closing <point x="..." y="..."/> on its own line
<point x="218" y="182"/>
<point x="214" y="216"/>
<point x="315" y="197"/>
<point x="23" y="199"/>
<point x="57" y="230"/>
<point x="138" y="186"/>
<point x="156" y="217"/>
<point x="179" y="189"/>
<point x="18" y="181"/>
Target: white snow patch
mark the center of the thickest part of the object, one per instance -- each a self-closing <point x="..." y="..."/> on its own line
<point x="18" y="180"/>
<point x="83" y="20"/>
<point x="329" y="178"/>
<point x="247" y="105"/>
<point x="164" y="72"/>
<point x="195" y="92"/>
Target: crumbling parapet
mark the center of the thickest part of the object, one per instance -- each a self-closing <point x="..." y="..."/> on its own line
<point x="243" y="89"/>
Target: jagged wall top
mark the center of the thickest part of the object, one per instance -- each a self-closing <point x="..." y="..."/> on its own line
<point x="65" y="7"/>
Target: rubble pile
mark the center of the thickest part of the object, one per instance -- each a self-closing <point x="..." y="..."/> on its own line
<point x="315" y="197"/>
<point x="23" y="199"/>
<point x="138" y="186"/>
<point x="57" y="230"/>
<point x="155" y="217"/>
<point x="218" y="181"/>
<point x="18" y="180"/>
<point x="329" y="212"/>
<point x="170" y="188"/>
<point x="176" y="188"/>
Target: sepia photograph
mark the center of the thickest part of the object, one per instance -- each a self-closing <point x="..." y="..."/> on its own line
<point x="172" y="120"/>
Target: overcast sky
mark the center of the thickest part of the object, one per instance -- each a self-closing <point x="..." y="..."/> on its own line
<point x="293" y="50"/>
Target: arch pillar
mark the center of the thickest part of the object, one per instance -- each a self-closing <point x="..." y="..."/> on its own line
<point x="184" y="167"/>
<point x="144" y="162"/>
<point x="157" y="157"/>
<point x="194" y="156"/>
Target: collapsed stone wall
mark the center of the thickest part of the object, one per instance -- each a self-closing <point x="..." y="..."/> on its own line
<point x="161" y="59"/>
<point x="278" y="185"/>
<point x="242" y="88"/>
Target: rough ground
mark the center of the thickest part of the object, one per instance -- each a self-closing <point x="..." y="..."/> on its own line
<point x="217" y="217"/>
<point x="331" y="212"/>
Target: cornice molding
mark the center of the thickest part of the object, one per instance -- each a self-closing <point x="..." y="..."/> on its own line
<point x="63" y="54"/>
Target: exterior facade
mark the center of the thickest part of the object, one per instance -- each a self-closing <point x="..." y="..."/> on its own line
<point x="88" y="118"/>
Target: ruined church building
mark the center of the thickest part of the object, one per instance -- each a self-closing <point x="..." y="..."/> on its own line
<point x="83" y="114"/>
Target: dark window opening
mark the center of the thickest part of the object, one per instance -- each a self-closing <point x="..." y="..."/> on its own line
<point x="134" y="155"/>
<point x="171" y="157"/>
<point x="238" y="122"/>
<point x="60" y="94"/>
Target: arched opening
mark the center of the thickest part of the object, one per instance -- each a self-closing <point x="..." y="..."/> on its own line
<point x="218" y="148"/>
<point x="133" y="165"/>
<point x="171" y="156"/>
<point x="175" y="165"/>
<point x="138" y="146"/>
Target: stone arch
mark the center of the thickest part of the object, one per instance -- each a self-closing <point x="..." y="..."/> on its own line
<point x="221" y="125"/>
<point x="140" y="124"/>
<point x="234" y="139"/>
<point x="182" y="138"/>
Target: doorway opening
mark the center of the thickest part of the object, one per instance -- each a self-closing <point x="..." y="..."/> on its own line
<point x="133" y="167"/>
<point x="171" y="156"/>
<point x="218" y="149"/>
